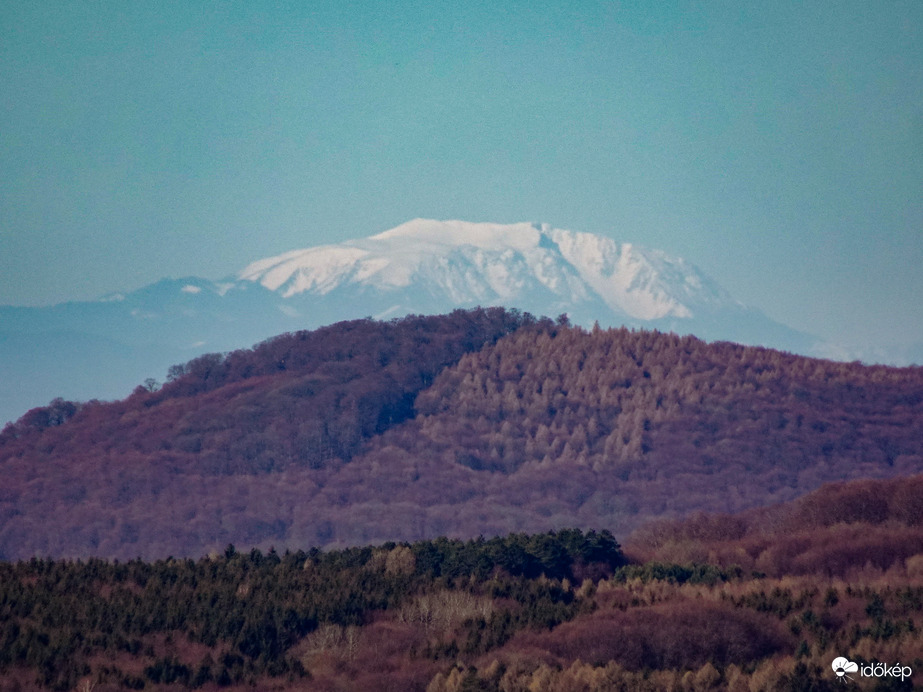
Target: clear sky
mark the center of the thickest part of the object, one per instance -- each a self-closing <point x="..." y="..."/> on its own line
<point x="777" y="145"/>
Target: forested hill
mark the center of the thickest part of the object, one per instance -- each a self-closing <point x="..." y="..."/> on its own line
<point x="480" y="422"/>
<point x="775" y="603"/>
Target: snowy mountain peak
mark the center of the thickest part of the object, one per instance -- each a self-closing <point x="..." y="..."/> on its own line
<point x="454" y="233"/>
<point x="422" y="267"/>
<point x="425" y="262"/>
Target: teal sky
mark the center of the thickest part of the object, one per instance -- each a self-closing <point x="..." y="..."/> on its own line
<point x="777" y="145"/>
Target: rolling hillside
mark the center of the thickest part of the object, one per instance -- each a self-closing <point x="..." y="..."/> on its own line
<point x="564" y="610"/>
<point x="480" y="422"/>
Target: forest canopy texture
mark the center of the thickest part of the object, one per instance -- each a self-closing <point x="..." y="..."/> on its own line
<point x="479" y="422"/>
<point x="549" y="612"/>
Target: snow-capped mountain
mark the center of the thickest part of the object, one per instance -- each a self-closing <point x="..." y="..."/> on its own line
<point x="461" y="263"/>
<point x="427" y="266"/>
<point x="103" y="349"/>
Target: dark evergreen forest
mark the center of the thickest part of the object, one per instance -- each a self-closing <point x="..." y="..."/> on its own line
<point x="757" y="607"/>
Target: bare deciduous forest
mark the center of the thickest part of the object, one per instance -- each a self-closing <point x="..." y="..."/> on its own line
<point x="437" y="504"/>
<point x="475" y="423"/>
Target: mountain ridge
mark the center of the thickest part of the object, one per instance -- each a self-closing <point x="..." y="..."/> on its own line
<point x="498" y="260"/>
<point x="478" y="422"/>
<point x="420" y="267"/>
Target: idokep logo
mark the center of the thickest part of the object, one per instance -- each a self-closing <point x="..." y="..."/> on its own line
<point x="843" y="666"/>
